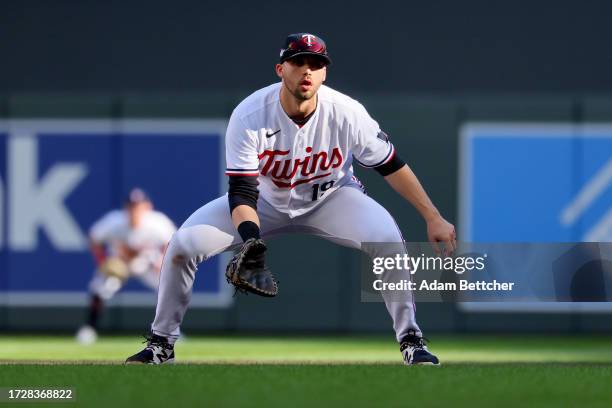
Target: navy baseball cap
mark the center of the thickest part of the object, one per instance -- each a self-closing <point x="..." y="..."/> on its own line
<point x="137" y="195"/>
<point x="304" y="44"/>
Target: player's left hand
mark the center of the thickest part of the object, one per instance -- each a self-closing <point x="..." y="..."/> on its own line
<point x="440" y="230"/>
<point x="248" y="272"/>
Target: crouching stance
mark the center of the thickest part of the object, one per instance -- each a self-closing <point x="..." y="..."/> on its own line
<point x="290" y="149"/>
<point x="125" y="243"/>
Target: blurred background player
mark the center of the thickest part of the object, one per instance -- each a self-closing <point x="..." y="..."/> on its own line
<point x="125" y="243"/>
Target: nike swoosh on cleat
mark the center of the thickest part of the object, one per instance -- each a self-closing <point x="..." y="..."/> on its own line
<point x="268" y="134"/>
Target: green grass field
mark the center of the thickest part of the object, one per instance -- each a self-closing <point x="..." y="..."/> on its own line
<point x="318" y="371"/>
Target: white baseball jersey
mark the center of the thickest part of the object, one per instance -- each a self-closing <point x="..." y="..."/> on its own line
<point x="148" y="241"/>
<point x="298" y="167"/>
<point x="153" y="233"/>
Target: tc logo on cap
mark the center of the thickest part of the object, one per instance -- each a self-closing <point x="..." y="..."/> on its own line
<point x="304" y="44"/>
<point x="309" y="39"/>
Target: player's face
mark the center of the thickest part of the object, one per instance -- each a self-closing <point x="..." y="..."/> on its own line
<point x="302" y="75"/>
<point x="137" y="211"/>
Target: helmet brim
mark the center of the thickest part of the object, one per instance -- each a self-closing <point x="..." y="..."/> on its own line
<point x="325" y="58"/>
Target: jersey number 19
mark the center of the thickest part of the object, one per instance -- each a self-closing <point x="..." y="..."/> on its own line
<point x="319" y="189"/>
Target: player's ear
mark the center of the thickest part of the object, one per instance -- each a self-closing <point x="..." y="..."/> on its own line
<point x="324" y="74"/>
<point x="279" y="70"/>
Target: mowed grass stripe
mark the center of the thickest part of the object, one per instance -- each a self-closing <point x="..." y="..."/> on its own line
<point x="312" y="350"/>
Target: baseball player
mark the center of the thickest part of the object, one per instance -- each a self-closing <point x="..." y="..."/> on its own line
<point x="125" y="243"/>
<point x="290" y="149"/>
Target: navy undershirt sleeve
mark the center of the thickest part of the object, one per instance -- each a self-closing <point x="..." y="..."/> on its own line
<point x="391" y="166"/>
<point x="243" y="191"/>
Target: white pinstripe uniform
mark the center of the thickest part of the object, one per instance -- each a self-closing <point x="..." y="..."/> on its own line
<point x="306" y="184"/>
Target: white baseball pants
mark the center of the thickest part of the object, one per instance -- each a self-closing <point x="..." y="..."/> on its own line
<point x="347" y="217"/>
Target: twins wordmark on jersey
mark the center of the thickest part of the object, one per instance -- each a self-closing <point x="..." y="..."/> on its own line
<point x="299" y="166"/>
<point x="283" y="168"/>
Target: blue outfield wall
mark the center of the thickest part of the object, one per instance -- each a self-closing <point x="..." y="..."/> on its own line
<point x="525" y="182"/>
<point x="60" y="176"/>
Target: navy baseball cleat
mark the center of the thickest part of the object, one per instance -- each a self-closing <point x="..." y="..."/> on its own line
<point x="158" y="351"/>
<point x="415" y="351"/>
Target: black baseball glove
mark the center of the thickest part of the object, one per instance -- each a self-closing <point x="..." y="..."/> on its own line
<point x="248" y="272"/>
